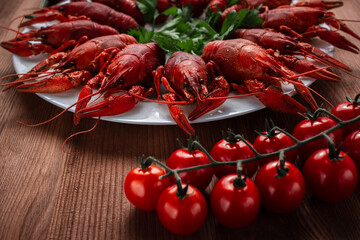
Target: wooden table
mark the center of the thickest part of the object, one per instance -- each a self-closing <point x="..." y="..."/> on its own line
<point x="45" y="193"/>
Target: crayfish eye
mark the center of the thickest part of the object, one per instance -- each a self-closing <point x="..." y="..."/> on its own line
<point x="107" y="75"/>
<point x="60" y="9"/>
<point x="321" y="15"/>
<point x="201" y="81"/>
<point x="186" y="84"/>
<point x="43" y="36"/>
<point x="271" y="72"/>
<point x="71" y="64"/>
<point x="288" y="47"/>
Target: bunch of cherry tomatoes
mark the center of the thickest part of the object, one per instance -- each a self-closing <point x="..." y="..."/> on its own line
<point x="329" y="173"/>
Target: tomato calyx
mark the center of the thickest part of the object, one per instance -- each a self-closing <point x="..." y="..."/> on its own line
<point x="282" y="171"/>
<point x="270" y="130"/>
<point x="143" y="163"/>
<point x="181" y="192"/>
<point x="356" y="101"/>
<point x="191" y="147"/>
<point x="313" y="116"/>
<point x="240" y="182"/>
<point x="334" y="154"/>
<point x="230" y="137"/>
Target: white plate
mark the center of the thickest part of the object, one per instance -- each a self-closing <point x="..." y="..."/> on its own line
<point x="150" y="113"/>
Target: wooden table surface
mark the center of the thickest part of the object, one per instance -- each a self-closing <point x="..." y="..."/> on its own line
<point x="47" y="194"/>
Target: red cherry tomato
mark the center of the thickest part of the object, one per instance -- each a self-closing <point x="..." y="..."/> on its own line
<point x="235" y="207"/>
<point x="280" y="194"/>
<point x="270" y="144"/>
<point x="351" y="146"/>
<point x="182" y="158"/>
<point x="143" y="187"/>
<point x="346" y="111"/>
<point x="182" y="216"/>
<point x="308" y="128"/>
<point x="330" y="181"/>
<point x="224" y="151"/>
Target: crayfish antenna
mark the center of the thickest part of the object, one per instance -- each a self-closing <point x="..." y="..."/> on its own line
<point x="47" y="121"/>
<point x="13" y="30"/>
<point x="58" y="115"/>
<point x="78" y="133"/>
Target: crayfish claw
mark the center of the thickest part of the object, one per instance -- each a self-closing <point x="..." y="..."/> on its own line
<point x="273" y="98"/>
<point x="56" y="83"/>
<point x="178" y="115"/>
<point x="115" y="103"/>
<point x="221" y="89"/>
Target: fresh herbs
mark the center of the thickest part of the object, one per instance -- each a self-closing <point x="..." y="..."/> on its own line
<point x="184" y="33"/>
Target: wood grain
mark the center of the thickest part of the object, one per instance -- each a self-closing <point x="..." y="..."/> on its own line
<point x="47" y="194"/>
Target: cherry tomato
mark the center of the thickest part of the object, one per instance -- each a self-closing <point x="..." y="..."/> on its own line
<point x="351" y="146"/>
<point x="182" y="158"/>
<point x="346" y="111"/>
<point x="143" y="187"/>
<point x="235" y="207"/>
<point x="308" y="128"/>
<point x="182" y="216"/>
<point x="225" y="151"/>
<point x="268" y="144"/>
<point x="330" y="180"/>
<point x="280" y="194"/>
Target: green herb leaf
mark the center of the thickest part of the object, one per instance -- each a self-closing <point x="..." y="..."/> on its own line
<point x="232" y="2"/>
<point x="170" y="11"/>
<point x="148" y="8"/>
<point x="184" y="33"/>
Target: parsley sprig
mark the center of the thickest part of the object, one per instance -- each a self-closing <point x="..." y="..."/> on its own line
<point x="184" y="33"/>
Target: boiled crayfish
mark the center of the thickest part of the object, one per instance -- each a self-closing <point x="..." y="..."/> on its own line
<point x="122" y="82"/>
<point x="97" y="12"/>
<point x="251" y="69"/>
<point x="53" y="37"/>
<point x="303" y="23"/>
<point x="216" y="5"/>
<point x="188" y="78"/>
<point x="72" y="67"/>
<point x="130" y="8"/>
<point x="319" y="4"/>
<point x="272" y="39"/>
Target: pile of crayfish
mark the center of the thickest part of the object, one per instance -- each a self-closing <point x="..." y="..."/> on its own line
<point x="89" y="46"/>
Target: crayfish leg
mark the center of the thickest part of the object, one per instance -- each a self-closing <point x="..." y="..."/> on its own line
<point x="157" y="76"/>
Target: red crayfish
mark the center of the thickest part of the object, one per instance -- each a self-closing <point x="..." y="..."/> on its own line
<point x="97" y="12"/>
<point x="252" y="69"/>
<point x="319" y="4"/>
<point x="130" y="69"/>
<point x="72" y="67"/>
<point x="271" y="4"/>
<point x="55" y="36"/>
<point x="272" y="39"/>
<point x="188" y="78"/>
<point x="216" y="5"/>
<point x="129" y="7"/>
<point x="303" y="23"/>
